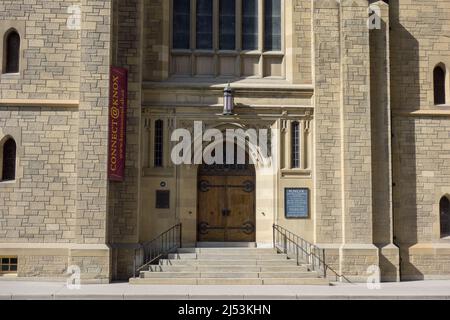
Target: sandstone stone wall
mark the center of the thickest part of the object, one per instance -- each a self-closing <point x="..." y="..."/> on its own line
<point x="125" y="196"/>
<point x="40" y="206"/>
<point x="56" y="109"/>
<point x="381" y="127"/>
<point x="420" y="140"/>
<point x="62" y="197"/>
<point x="420" y="31"/>
<point x="156" y="19"/>
<point x="425" y="262"/>
<point x="343" y="135"/>
<point x="50" y="52"/>
<point x="422" y="152"/>
<point x="382" y="146"/>
<point x="327" y="140"/>
<point x="302" y="41"/>
<point x="356" y="123"/>
<point x="92" y="183"/>
<point x="51" y="266"/>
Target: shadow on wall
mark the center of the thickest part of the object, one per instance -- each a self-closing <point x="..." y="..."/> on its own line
<point x="380" y="149"/>
<point x="405" y="96"/>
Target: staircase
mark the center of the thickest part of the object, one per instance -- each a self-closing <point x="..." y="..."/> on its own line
<point x="228" y="266"/>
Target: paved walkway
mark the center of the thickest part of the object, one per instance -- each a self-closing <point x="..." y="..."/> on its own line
<point x="50" y="290"/>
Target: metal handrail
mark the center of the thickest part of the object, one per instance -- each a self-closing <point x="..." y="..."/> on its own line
<point x="152" y="251"/>
<point x="304" y="251"/>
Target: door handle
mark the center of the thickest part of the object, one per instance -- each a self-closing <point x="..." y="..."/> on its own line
<point x="226" y="212"/>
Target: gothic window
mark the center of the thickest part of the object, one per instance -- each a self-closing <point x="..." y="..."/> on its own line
<point x="204" y="24"/>
<point x="227" y="25"/>
<point x="250" y="25"/>
<point x="181" y="24"/>
<point x="159" y="143"/>
<point x="272" y="32"/>
<point x="439" y="85"/>
<point x="9" y="160"/>
<point x="444" y="210"/>
<point x="227" y="38"/>
<point x="295" y="145"/>
<point x="11" y="52"/>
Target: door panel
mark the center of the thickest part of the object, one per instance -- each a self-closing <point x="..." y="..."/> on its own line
<point x="226" y="208"/>
<point x="241" y="201"/>
<point x="211" y="201"/>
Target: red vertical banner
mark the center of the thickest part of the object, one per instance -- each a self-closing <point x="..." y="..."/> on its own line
<point x="118" y="96"/>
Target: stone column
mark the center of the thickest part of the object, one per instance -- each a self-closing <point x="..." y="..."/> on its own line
<point x="91" y="253"/>
<point x="357" y="252"/>
<point x="380" y="97"/>
<point x="126" y="195"/>
<point x="327" y="130"/>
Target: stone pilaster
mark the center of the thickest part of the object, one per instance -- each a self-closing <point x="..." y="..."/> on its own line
<point x="343" y="149"/>
<point x="125" y="196"/>
<point x="357" y="252"/>
<point x="301" y="51"/>
<point x="381" y="142"/>
<point x="92" y="183"/>
<point x="327" y="141"/>
<point x="327" y="182"/>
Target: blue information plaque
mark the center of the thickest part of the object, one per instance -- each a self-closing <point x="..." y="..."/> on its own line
<point x="296" y="203"/>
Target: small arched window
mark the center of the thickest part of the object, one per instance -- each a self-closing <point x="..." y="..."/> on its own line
<point x="9" y="160"/>
<point x="444" y="211"/>
<point x="12" y="52"/>
<point x="159" y="143"/>
<point x="295" y="145"/>
<point x="439" y="85"/>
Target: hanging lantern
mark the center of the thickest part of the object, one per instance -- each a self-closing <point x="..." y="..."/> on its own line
<point x="228" y="101"/>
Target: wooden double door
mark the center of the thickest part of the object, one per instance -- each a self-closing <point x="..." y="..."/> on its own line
<point x="226" y="204"/>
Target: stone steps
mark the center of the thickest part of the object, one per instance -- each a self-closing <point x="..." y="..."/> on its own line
<point x="237" y="275"/>
<point x="228" y="266"/>
<point x="237" y="251"/>
<point x="222" y="268"/>
<point x="247" y="262"/>
<point x="208" y="256"/>
<point x="226" y="245"/>
<point x="224" y="281"/>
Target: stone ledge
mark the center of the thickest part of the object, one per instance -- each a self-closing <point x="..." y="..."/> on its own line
<point x="62" y="279"/>
<point x="363" y="247"/>
<point x="326" y="4"/>
<point x="423" y="113"/>
<point x="51" y="245"/>
<point x="430" y="248"/>
<point x="39" y="103"/>
<point x="186" y="85"/>
<point x="54" y="249"/>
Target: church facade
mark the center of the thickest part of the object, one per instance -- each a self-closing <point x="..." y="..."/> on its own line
<point x="351" y="100"/>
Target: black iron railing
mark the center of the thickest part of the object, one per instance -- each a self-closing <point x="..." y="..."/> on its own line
<point x="304" y="252"/>
<point x="152" y="251"/>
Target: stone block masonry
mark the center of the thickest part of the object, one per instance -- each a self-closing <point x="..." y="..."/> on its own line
<point x="421" y="151"/>
<point x="40" y="206"/>
<point x="62" y="211"/>
<point x="50" y="52"/>
<point x="55" y="213"/>
<point x="92" y="184"/>
<point x="327" y="142"/>
<point x="125" y="197"/>
<point x="343" y="177"/>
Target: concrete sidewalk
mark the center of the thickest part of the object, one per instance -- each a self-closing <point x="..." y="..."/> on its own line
<point x="20" y="290"/>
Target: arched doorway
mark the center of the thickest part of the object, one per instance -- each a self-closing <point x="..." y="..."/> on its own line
<point x="226" y="202"/>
